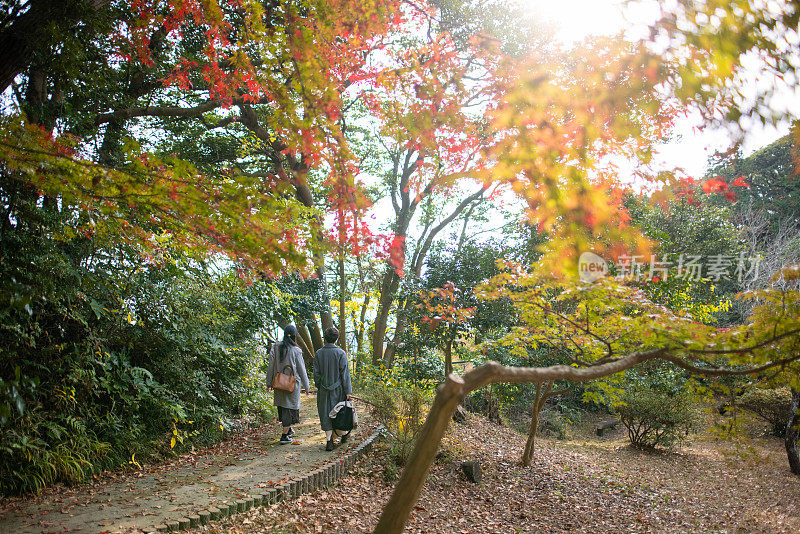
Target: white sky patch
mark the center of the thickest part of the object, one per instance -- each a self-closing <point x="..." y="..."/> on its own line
<point x="575" y="20"/>
<point x="691" y="146"/>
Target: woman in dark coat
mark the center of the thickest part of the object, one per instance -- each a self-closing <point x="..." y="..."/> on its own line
<point x="332" y="377"/>
<point x="284" y="356"/>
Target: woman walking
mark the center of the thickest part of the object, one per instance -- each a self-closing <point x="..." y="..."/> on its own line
<point x="332" y="377"/>
<point x="286" y="357"/>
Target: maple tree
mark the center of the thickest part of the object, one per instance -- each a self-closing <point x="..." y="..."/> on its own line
<point x="773" y="186"/>
<point x="213" y="58"/>
<point x="144" y="132"/>
<point x="223" y="127"/>
<point x="433" y="138"/>
<point x="718" y="49"/>
<point x="610" y="328"/>
<point x="441" y="307"/>
<point x="573" y="200"/>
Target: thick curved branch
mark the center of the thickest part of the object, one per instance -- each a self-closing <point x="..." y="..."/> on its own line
<point x="159" y="111"/>
<point x="450" y="394"/>
<point x="455" y="389"/>
<point x="219" y="124"/>
<point x="751" y="348"/>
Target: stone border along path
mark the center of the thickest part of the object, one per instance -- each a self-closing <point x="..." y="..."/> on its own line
<point x="318" y="479"/>
<point x="248" y="470"/>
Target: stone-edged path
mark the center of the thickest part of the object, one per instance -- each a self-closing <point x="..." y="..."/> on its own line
<point x="248" y="466"/>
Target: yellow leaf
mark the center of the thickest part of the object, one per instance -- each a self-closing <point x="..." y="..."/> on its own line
<point x="172" y="443"/>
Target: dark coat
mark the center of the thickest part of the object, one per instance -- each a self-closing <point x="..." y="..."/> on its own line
<point x="332" y="377"/>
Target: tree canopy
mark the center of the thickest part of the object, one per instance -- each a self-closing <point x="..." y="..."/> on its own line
<point x="178" y="177"/>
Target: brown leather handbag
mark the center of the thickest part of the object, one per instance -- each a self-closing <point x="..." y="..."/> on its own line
<point x="283" y="381"/>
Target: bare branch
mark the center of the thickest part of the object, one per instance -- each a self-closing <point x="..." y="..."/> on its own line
<point x="745" y="350"/>
<point x="219" y="124"/>
<point x="719" y="371"/>
<point x="423" y="251"/>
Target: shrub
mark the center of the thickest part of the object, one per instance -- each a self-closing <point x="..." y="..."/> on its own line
<point x="401" y="409"/>
<point x="108" y="357"/>
<point x="556" y="420"/>
<point x="654" y="418"/>
<point x="772" y="405"/>
<point x="485" y="401"/>
<point x="426" y="369"/>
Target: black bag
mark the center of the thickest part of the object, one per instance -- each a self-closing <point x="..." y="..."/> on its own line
<point x="344" y="419"/>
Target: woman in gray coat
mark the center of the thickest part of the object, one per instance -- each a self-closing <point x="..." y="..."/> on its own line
<point x="286" y="357"/>
<point x="332" y="377"/>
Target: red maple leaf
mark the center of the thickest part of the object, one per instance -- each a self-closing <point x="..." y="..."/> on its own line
<point x="715" y="185"/>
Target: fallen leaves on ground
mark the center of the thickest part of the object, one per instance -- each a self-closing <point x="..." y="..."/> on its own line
<point x="571" y="487"/>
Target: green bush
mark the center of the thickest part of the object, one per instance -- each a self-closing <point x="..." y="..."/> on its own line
<point x="654" y="418"/>
<point x="401" y="408"/>
<point x="556" y="420"/>
<point x="107" y="355"/>
<point x="772" y="405"/>
<point x="426" y="369"/>
<point x="487" y="402"/>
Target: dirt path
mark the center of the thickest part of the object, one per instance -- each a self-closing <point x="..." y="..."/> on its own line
<point x="235" y="469"/>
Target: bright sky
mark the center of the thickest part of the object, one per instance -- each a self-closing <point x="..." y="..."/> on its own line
<point x="691" y="148"/>
<point x="579" y="18"/>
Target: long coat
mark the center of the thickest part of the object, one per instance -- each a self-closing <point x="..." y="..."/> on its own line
<point x="294" y="359"/>
<point x="332" y="377"/>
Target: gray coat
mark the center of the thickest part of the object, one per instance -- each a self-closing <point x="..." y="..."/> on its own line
<point x="294" y="359"/>
<point x="332" y="377"/>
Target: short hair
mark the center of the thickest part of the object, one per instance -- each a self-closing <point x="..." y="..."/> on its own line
<point x="331" y="335"/>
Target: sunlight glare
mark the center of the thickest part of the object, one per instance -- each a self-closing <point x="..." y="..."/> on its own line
<point x="574" y="20"/>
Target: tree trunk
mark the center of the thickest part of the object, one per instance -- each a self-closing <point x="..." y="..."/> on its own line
<point x="448" y="357"/>
<point x="399" y="330"/>
<point x="325" y="315"/>
<point x="792" y="432"/>
<point x="389" y="286"/>
<point x="392" y="346"/>
<point x="450" y="394"/>
<point x="304" y="341"/>
<point x="110" y="153"/>
<point x="342" y="304"/>
<point x="538" y="404"/>
<point x="22" y="40"/>
<point x="406" y="491"/>
<point x="362" y="326"/>
<point x="316" y="333"/>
